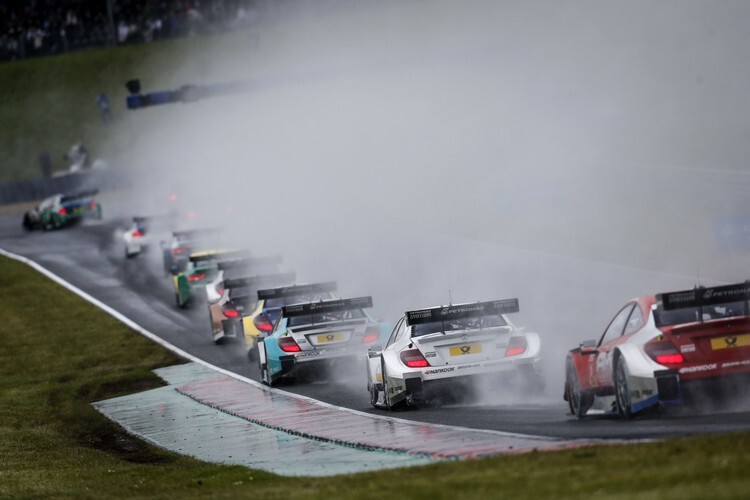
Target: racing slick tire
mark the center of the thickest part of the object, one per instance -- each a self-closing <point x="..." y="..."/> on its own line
<point x="374" y="395"/>
<point x="622" y="389"/>
<point x="390" y="406"/>
<point x="252" y="352"/>
<point x="263" y="367"/>
<point x="579" y="401"/>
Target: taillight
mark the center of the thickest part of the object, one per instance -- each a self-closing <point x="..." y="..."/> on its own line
<point x="288" y="344"/>
<point x="516" y="346"/>
<point x="196" y="277"/>
<point x="229" y="311"/>
<point x="220" y="290"/>
<point x="62" y="211"/>
<point x="262" y="323"/>
<point x="413" y="359"/>
<point x="92" y="205"/>
<point x="664" y="352"/>
<point x="372" y="333"/>
<point x="179" y="250"/>
<point x="137" y="234"/>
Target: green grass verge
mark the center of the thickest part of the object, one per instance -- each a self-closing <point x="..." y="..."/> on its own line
<point x="59" y="354"/>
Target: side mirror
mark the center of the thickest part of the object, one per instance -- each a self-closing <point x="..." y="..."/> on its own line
<point x="588" y="346"/>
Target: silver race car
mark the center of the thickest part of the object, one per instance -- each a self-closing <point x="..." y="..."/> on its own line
<point x="444" y="352"/>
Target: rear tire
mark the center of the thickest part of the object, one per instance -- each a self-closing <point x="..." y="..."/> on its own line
<point x="622" y="389"/>
<point x="579" y="401"/>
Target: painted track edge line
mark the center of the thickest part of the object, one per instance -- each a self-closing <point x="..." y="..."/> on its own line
<point x="184" y="354"/>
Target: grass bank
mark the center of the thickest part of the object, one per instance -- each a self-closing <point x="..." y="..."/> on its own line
<point x="59" y="354"/>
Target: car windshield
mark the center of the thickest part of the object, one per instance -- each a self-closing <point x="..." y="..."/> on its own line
<point x="693" y="314"/>
<point x="326" y="317"/>
<point x="475" y="323"/>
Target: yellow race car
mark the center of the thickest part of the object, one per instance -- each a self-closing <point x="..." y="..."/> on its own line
<point x="258" y="323"/>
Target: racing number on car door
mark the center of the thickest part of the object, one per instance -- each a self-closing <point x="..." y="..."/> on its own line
<point x="603" y="375"/>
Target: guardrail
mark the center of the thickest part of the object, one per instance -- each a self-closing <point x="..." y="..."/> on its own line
<point x="37" y="189"/>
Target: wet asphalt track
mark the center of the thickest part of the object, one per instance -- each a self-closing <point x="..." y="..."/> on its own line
<point x="89" y="257"/>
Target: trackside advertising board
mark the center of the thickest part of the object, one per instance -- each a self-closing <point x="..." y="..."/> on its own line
<point x="326" y="306"/>
<point x="462" y="311"/>
<point x="290" y="291"/>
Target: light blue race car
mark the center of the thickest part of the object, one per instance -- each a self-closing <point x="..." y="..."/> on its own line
<point x="312" y="338"/>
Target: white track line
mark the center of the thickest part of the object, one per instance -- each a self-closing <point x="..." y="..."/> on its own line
<point x="184" y="354"/>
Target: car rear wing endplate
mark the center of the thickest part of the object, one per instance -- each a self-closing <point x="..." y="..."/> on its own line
<point x="289" y="291"/>
<point x="326" y="306"/>
<point x="462" y="311"/>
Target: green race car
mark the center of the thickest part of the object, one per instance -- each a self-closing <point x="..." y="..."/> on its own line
<point x="62" y="210"/>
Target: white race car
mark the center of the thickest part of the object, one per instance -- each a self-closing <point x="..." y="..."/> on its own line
<point x="136" y="237"/>
<point x="437" y="353"/>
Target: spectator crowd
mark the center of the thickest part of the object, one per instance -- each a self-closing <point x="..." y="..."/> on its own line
<point x="30" y="28"/>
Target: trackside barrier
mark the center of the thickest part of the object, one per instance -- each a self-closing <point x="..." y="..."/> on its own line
<point x="37" y="189"/>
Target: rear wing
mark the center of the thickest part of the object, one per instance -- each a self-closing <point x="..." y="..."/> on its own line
<point x="197" y="233"/>
<point x="289" y="291"/>
<point x="690" y="301"/>
<point x="215" y="255"/>
<point x="461" y="311"/>
<point x="255" y="282"/>
<point x="250" y="262"/>
<point x="326" y="306"/>
<point x="81" y="195"/>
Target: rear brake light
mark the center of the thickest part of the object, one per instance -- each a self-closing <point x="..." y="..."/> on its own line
<point x="62" y="211"/>
<point x="372" y="333"/>
<point x="664" y="352"/>
<point x="229" y="311"/>
<point x="516" y="346"/>
<point x="137" y="234"/>
<point x="288" y="344"/>
<point x="92" y="205"/>
<point x="413" y="359"/>
<point x="196" y="277"/>
<point x="262" y="323"/>
<point x="179" y="250"/>
<point x="670" y="359"/>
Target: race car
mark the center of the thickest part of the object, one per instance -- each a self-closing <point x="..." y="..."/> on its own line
<point x="136" y="237"/>
<point x="239" y="295"/>
<point x="258" y="322"/>
<point x="237" y="268"/>
<point x="177" y="251"/>
<point x="62" y="210"/>
<point x="657" y="347"/>
<point x="201" y="269"/>
<point x="315" y="337"/>
<point x="441" y="353"/>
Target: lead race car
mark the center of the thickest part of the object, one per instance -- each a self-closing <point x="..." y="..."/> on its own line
<point x="658" y="347"/>
<point x="445" y="351"/>
<point x="61" y="210"/>
<point x="313" y="337"/>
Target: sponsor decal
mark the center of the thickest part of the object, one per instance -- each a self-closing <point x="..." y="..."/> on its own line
<point x="430" y="354"/>
<point x="308" y="354"/>
<point x="464" y="337"/>
<point x="699" y="368"/>
<point x="687" y="348"/>
<point x="475" y="365"/>
<point x="465" y="349"/>
<point x="440" y="370"/>
<point x="733" y="364"/>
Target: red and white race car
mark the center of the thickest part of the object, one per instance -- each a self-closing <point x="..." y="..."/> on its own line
<point x="656" y="347"/>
